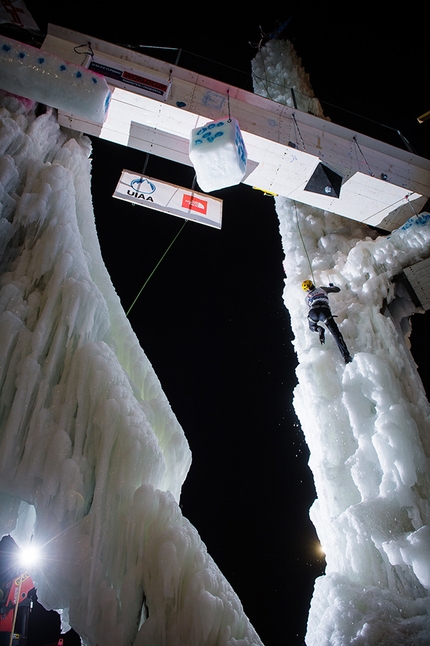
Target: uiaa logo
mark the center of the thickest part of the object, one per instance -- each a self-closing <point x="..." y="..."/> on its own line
<point x="142" y="189"/>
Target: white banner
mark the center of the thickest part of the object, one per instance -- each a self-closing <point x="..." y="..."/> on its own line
<point x="168" y="198"/>
<point x="15" y="12"/>
<point x="156" y="87"/>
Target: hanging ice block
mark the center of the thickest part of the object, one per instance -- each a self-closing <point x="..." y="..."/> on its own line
<point x="218" y="154"/>
<point x="31" y="73"/>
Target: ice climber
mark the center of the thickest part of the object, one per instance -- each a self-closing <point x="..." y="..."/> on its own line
<point x="319" y="312"/>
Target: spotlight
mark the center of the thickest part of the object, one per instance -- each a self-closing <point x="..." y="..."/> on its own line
<point x="320" y="551"/>
<point x="29" y="555"/>
<point x="424" y="117"/>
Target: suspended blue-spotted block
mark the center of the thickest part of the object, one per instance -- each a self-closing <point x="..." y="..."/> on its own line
<point x="44" y="78"/>
<point x="218" y="154"/>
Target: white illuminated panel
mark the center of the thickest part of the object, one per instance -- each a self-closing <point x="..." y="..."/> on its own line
<point x="168" y="198"/>
<point x="419" y="277"/>
<point x="381" y="186"/>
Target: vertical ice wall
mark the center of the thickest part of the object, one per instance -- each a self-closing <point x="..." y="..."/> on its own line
<point x="278" y="75"/>
<point x="367" y="424"/>
<point x="92" y="456"/>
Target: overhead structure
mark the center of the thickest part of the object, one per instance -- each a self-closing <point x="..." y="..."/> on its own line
<point x="156" y="105"/>
<point x="169" y="198"/>
<point x="418" y="276"/>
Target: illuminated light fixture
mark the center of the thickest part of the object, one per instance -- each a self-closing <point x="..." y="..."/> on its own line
<point x="424" y="117"/>
<point x="324" y="181"/>
<point x="29" y="555"/>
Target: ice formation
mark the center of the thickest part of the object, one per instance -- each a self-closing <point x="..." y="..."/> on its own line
<point x="218" y="154"/>
<point x="43" y="77"/>
<point x="367" y="424"/>
<point x="93" y="458"/>
<point x="278" y="74"/>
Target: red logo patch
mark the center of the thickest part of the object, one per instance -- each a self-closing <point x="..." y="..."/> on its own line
<point x="193" y="203"/>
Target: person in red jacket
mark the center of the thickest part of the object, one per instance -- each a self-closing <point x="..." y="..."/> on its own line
<point x="320" y="312"/>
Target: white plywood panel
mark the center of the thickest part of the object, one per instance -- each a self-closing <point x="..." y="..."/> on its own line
<point x="381" y="183"/>
<point x="419" y="277"/>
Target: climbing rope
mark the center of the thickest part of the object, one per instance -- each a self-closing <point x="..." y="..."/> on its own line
<point x="303" y="243"/>
<point x="298" y="130"/>
<point x="265" y="81"/>
<point x="362" y="154"/>
<point x="87" y="51"/>
<point x="169" y="247"/>
<point x="145" y="164"/>
<point x="156" y="266"/>
<point x="410" y="204"/>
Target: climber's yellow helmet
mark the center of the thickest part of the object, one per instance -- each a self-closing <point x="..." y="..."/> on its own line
<point x="307" y="285"/>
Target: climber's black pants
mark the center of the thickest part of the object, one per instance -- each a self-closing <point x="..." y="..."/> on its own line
<point x="323" y="315"/>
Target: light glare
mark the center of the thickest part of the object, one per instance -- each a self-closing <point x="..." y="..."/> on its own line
<point x="30" y="555"/>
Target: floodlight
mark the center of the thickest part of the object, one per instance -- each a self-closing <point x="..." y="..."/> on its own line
<point x="29" y="555"/>
<point x="424" y="117"/>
